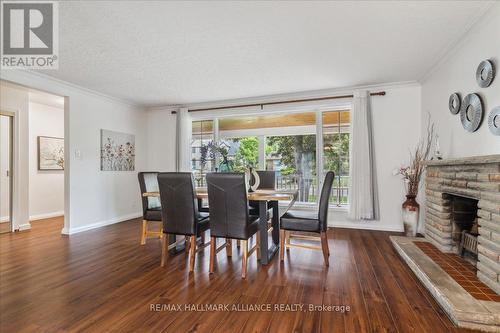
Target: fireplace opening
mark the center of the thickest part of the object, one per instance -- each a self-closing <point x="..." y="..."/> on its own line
<point x="464" y="226"/>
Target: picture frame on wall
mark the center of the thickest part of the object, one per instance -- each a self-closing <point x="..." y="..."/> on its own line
<point x="117" y="151"/>
<point x="50" y="153"/>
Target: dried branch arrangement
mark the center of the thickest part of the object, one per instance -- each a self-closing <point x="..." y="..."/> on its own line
<point x="412" y="173"/>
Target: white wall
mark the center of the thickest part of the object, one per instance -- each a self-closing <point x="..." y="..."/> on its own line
<point x="92" y="197"/>
<point x="46" y="188"/>
<point x="16" y="100"/>
<point x="456" y="73"/>
<point x="161" y="139"/>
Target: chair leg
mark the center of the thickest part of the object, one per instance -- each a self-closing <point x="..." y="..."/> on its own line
<point x="238" y="243"/>
<point x="192" y="253"/>
<point x="161" y="230"/>
<point x="327" y="247"/>
<point x="188" y="243"/>
<point x="213" y="249"/>
<point x="245" y="259"/>
<point x="164" y="249"/>
<point x="202" y="236"/>
<point x="282" y="244"/>
<point x="229" y="247"/>
<point x="144" y="231"/>
<point x="324" y="247"/>
<point x="258" y="245"/>
<point x="287" y="239"/>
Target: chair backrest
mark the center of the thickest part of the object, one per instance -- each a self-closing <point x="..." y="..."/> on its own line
<point x="148" y="182"/>
<point x="178" y="202"/>
<point x="228" y="204"/>
<point x="267" y="179"/>
<point x="324" y="199"/>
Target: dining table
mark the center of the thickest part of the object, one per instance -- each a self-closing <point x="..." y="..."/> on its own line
<point x="267" y="199"/>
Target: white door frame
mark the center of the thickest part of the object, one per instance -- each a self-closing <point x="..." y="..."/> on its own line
<point x="18" y="222"/>
<point x="14" y="166"/>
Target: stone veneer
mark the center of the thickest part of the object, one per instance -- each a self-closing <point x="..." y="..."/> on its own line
<point x="472" y="177"/>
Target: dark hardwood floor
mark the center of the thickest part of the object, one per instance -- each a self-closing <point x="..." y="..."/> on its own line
<point x="103" y="280"/>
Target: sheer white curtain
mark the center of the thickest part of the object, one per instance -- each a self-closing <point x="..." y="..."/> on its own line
<point x="183" y="151"/>
<point x="363" y="202"/>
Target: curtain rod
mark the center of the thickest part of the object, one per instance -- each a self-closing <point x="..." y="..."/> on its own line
<point x="380" y="93"/>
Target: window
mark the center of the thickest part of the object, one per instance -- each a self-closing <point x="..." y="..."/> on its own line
<point x="202" y="134"/>
<point x="285" y="143"/>
<point x="243" y="152"/>
<point x="336" y="153"/>
<point x="294" y="159"/>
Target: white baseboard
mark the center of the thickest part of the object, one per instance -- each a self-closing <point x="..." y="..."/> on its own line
<point x="46" y="216"/>
<point x="338" y="219"/>
<point x="72" y="231"/>
<point x="26" y="226"/>
<point x="4" y="219"/>
<point x="365" y="226"/>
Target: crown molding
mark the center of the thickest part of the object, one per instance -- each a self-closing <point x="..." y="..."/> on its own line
<point x="477" y="21"/>
<point x="16" y="76"/>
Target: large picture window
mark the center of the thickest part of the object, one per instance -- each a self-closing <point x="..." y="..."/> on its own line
<point x="285" y="143"/>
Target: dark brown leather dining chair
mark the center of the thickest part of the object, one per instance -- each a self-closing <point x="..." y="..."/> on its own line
<point x="229" y="217"/>
<point x="151" y="208"/>
<point x="311" y="222"/>
<point x="180" y="212"/>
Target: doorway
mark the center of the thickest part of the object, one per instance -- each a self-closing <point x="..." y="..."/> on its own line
<point x="6" y="151"/>
<point x="33" y="159"/>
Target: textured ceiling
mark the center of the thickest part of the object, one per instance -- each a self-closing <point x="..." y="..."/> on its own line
<point x="159" y="53"/>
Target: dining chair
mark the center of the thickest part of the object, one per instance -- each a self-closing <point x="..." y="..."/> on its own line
<point x="151" y="208"/>
<point x="311" y="222"/>
<point x="180" y="212"/>
<point x="229" y="217"/>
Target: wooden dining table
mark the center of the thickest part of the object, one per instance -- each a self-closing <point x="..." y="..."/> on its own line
<point x="267" y="198"/>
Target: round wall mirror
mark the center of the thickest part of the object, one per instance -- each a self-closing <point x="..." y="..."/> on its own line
<point x="485" y="73"/>
<point x="471" y="112"/>
<point x="454" y="103"/>
<point x="494" y="121"/>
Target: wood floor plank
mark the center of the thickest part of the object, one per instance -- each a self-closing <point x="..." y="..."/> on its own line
<point x="104" y="281"/>
<point x="376" y="305"/>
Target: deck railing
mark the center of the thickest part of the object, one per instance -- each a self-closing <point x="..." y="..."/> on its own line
<point x="307" y="187"/>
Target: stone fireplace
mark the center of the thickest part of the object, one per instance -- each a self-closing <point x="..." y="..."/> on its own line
<point x="459" y="193"/>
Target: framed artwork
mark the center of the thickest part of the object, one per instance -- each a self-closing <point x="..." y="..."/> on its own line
<point x="117" y="151"/>
<point x="50" y="153"/>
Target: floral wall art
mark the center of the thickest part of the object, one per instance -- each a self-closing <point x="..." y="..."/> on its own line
<point x="50" y="153"/>
<point x="117" y="151"/>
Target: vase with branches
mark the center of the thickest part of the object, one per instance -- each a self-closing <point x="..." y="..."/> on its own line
<point x="411" y="175"/>
<point x="213" y="150"/>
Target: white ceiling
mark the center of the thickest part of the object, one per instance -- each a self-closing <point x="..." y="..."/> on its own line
<point x="160" y="53"/>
